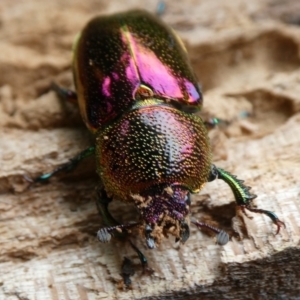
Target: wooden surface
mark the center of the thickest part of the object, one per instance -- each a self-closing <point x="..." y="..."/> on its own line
<point x="246" y="55"/>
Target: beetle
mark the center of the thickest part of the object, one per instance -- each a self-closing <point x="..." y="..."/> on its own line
<point x="138" y="95"/>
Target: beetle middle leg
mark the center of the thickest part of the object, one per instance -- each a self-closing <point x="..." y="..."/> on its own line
<point x="119" y="230"/>
<point x="242" y="195"/>
<point x="71" y="165"/>
<point x="211" y="123"/>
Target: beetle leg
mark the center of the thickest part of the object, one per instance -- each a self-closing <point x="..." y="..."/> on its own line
<point x="64" y="94"/>
<point x="104" y="233"/>
<point x="160" y="8"/>
<point x="112" y="225"/>
<point x="240" y="191"/>
<point x="127" y="271"/>
<point x="270" y="214"/>
<point x="242" y="195"/>
<point x="222" y="236"/>
<point x="66" y="167"/>
<point x="212" y="123"/>
<point x="142" y="258"/>
<point x="102" y="202"/>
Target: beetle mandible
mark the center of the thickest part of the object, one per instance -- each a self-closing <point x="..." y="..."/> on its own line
<point x="138" y="95"/>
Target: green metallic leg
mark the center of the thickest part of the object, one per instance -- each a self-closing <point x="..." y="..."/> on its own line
<point x="68" y="166"/>
<point x="119" y="230"/>
<point x="242" y="195"/>
<point x="212" y="123"/>
<point x="64" y="94"/>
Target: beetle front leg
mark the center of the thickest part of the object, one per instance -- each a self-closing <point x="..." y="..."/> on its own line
<point x="242" y="195"/>
<point x="113" y="226"/>
<point x="66" y="167"/>
<point x="270" y="214"/>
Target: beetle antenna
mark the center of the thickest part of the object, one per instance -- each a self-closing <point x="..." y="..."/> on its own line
<point x="104" y="234"/>
<point x="222" y="236"/>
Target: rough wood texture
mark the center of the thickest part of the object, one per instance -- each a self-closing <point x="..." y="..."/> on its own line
<point x="246" y="54"/>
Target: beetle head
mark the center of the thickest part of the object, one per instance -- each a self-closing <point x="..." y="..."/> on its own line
<point x="164" y="210"/>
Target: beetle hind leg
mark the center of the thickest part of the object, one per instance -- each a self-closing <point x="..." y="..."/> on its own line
<point x="242" y="194"/>
<point x="64" y="94"/>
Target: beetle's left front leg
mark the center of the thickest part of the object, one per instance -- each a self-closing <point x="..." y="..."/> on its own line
<point x="113" y="226"/>
<point x="242" y="195"/>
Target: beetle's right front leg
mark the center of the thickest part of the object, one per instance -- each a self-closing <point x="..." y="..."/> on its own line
<point x="114" y="227"/>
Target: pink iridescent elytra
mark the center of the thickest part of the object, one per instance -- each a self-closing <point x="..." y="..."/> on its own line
<point x="127" y="54"/>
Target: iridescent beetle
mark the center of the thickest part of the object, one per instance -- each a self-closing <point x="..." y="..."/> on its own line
<point x="137" y="94"/>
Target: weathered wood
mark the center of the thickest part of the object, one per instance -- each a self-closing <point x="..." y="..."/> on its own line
<point x="47" y="241"/>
